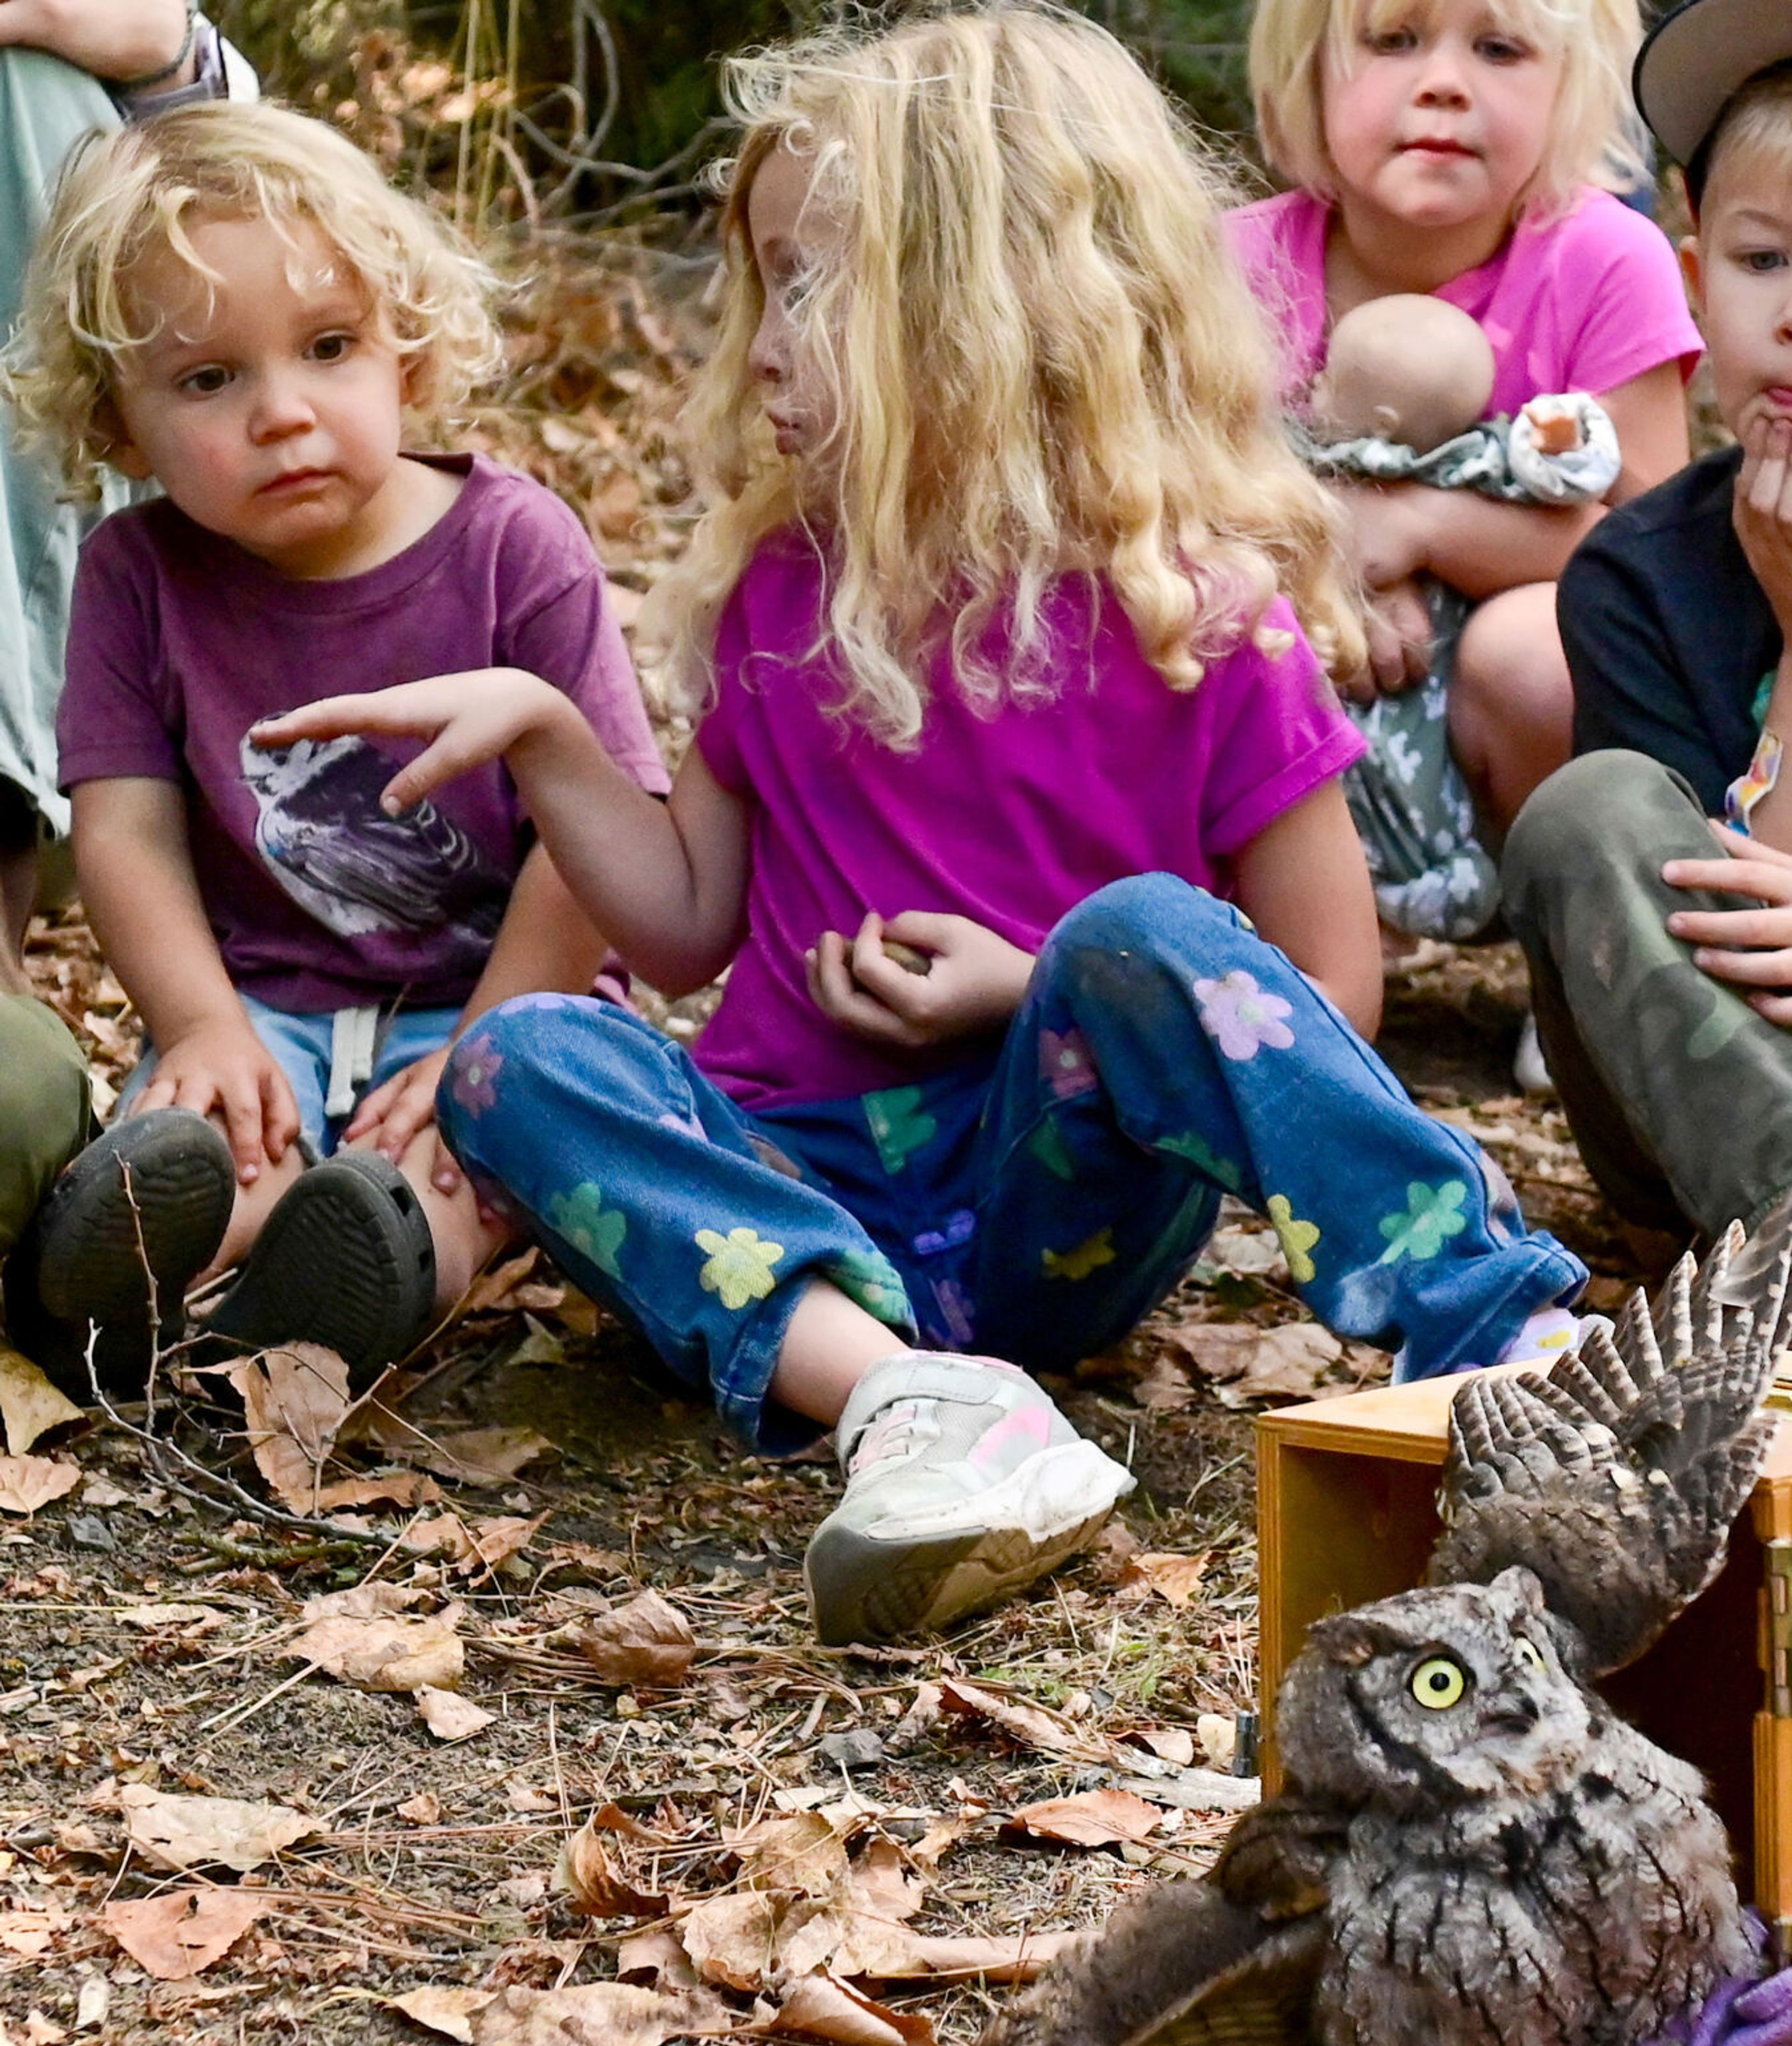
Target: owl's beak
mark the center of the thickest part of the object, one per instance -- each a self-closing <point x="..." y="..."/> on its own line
<point x="1512" y="1712"/>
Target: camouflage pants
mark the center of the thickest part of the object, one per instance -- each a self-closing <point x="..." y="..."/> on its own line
<point x="1678" y="1094"/>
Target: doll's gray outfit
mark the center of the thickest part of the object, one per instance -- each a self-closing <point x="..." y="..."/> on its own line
<point x="1433" y="876"/>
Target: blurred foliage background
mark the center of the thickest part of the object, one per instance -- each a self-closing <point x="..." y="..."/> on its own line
<point x="547" y="115"/>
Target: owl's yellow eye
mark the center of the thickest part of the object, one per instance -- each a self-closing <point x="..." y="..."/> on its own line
<point x="1530" y="1654"/>
<point x="1439" y="1682"/>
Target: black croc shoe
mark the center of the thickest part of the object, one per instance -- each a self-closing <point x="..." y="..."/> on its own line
<point x="345" y="1259"/>
<point x="134" y="1220"/>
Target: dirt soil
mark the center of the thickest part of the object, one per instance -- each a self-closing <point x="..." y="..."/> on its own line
<point x="151" y="1619"/>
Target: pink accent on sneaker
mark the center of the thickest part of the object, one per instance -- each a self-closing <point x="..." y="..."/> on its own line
<point x="1033" y="1423"/>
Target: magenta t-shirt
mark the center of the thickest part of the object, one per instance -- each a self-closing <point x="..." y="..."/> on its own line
<point x="180" y="641"/>
<point x="1011" y="819"/>
<point x="1583" y="301"/>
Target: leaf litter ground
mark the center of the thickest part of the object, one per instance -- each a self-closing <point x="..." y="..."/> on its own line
<point x="512" y="1729"/>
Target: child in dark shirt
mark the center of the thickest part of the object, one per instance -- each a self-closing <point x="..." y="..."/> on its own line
<point x="234" y="302"/>
<point x="1651" y="880"/>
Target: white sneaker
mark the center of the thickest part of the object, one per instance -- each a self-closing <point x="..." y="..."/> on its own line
<point x="963" y="1483"/>
<point x="1529" y="1068"/>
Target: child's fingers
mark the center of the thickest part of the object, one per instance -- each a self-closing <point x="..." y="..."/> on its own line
<point x="241" y="1107"/>
<point x="1733" y="930"/>
<point x="1774" y="1008"/>
<point x="328" y="718"/>
<point x="279" y="1113"/>
<point x="1746" y="969"/>
<point x="445" y="1175"/>
<point x="1764" y="879"/>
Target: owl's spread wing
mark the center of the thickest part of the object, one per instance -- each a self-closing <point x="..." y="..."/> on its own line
<point x="1228" y="1961"/>
<point x="1615" y="1477"/>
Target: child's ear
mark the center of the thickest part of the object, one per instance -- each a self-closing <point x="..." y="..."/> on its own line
<point x="117" y="446"/>
<point x="1692" y="268"/>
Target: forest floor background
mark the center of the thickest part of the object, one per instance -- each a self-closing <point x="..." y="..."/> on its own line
<point x="521" y="1735"/>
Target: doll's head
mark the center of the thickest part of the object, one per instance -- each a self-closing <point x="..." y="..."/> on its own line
<point x="1408" y="367"/>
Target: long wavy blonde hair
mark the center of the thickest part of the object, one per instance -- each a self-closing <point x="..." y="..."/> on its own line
<point x="1042" y="359"/>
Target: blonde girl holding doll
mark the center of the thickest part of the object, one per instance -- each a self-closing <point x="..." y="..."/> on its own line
<point x="992" y="630"/>
<point x="1452" y="146"/>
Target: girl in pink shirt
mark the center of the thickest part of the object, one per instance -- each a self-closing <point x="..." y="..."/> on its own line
<point x="1447" y="146"/>
<point x="1006" y="718"/>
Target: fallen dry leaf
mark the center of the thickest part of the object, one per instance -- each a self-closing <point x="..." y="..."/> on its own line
<point x="27" y="1483"/>
<point x="1031" y="1725"/>
<point x="178" y="1832"/>
<point x="1017" y="1960"/>
<point x="183" y="1932"/>
<point x="476" y="1456"/>
<point x="1165" y="1388"/>
<point x="424" y="1809"/>
<point x="596" y="2014"/>
<point x="449" y="1717"/>
<point x="192" y="1618"/>
<point x="822" y="2007"/>
<point x="647" y="1643"/>
<point x="1174" y="1744"/>
<point x="597" y="1887"/>
<point x="29" y="1404"/>
<point x="389" y="1654"/>
<point x="447" y="2010"/>
<point x="294" y="1400"/>
<point x="399" y="1487"/>
<point x="804" y="1851"/>
<point x="1090" y="1818"/>
<point x="30" y="1932"/>
<point x="1288" y="1362"/>
<point x="1175" y="1579"/>
<point x="361" y="1602"/>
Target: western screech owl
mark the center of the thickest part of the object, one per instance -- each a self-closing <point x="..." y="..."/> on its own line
<point x="1472" y="1849"/>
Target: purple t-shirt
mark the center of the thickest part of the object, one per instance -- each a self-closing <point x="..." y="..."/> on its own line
<point x="180" y="641"/>
<point x="1011" y="819"/>
<point x="1583" y="301"/>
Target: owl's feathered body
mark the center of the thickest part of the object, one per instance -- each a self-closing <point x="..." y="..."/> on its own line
<point x="1472" y="1849"/>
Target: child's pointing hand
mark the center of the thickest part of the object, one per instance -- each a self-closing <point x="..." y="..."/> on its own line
<point x="465" y="719"/>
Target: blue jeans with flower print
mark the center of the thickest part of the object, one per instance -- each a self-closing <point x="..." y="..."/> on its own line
<point x="1032" y="1202"/>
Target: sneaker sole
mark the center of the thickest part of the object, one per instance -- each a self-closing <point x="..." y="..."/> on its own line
<point x="863" y="1586"/>
<point x="181" y="1187"/>
<point x="346" y="1259"/>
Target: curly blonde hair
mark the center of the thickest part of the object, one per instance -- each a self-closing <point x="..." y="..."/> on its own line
<point x="1041" y="355"/>
<point x="128" y="195"/>
<point x="1594" y="137"/>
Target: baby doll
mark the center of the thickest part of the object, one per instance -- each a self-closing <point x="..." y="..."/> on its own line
<point x="1402" y="398"/>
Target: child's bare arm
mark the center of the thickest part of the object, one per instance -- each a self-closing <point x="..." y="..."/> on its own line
<point x="667" y="880"/>
<point x="1304" y="882"/>
<point x="545" y="941"/>
<point x="137" y="882"/>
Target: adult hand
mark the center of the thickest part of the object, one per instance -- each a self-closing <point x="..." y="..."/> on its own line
<point x="395" y="1110"/>
<point x="1748" y="949"/>
<point x="973" y="982"/>
<point x="467" y="719"/>
<point x="221" y="1068"/>
<point x="1761" y="510"/>
<point x="113" y="39"/>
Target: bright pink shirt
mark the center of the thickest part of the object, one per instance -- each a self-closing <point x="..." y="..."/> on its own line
<point x="1583" y="301"/>
<point x="1010" y="819"/>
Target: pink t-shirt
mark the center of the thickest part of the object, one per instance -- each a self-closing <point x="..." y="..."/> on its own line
<point x="1583" y="301"/>
<point x="1010" y="819"/>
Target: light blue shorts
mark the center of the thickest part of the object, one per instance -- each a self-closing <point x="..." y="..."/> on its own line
<point x="318" y="1055"/>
